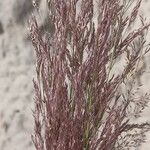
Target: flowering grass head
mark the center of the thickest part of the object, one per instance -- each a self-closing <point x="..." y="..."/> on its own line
<point x="80" y="102"/>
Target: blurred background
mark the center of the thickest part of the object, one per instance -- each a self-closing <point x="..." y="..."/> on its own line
<point x="17" y="70"/>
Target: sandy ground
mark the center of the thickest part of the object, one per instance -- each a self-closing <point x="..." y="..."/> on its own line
<point x="17" y="71"/>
